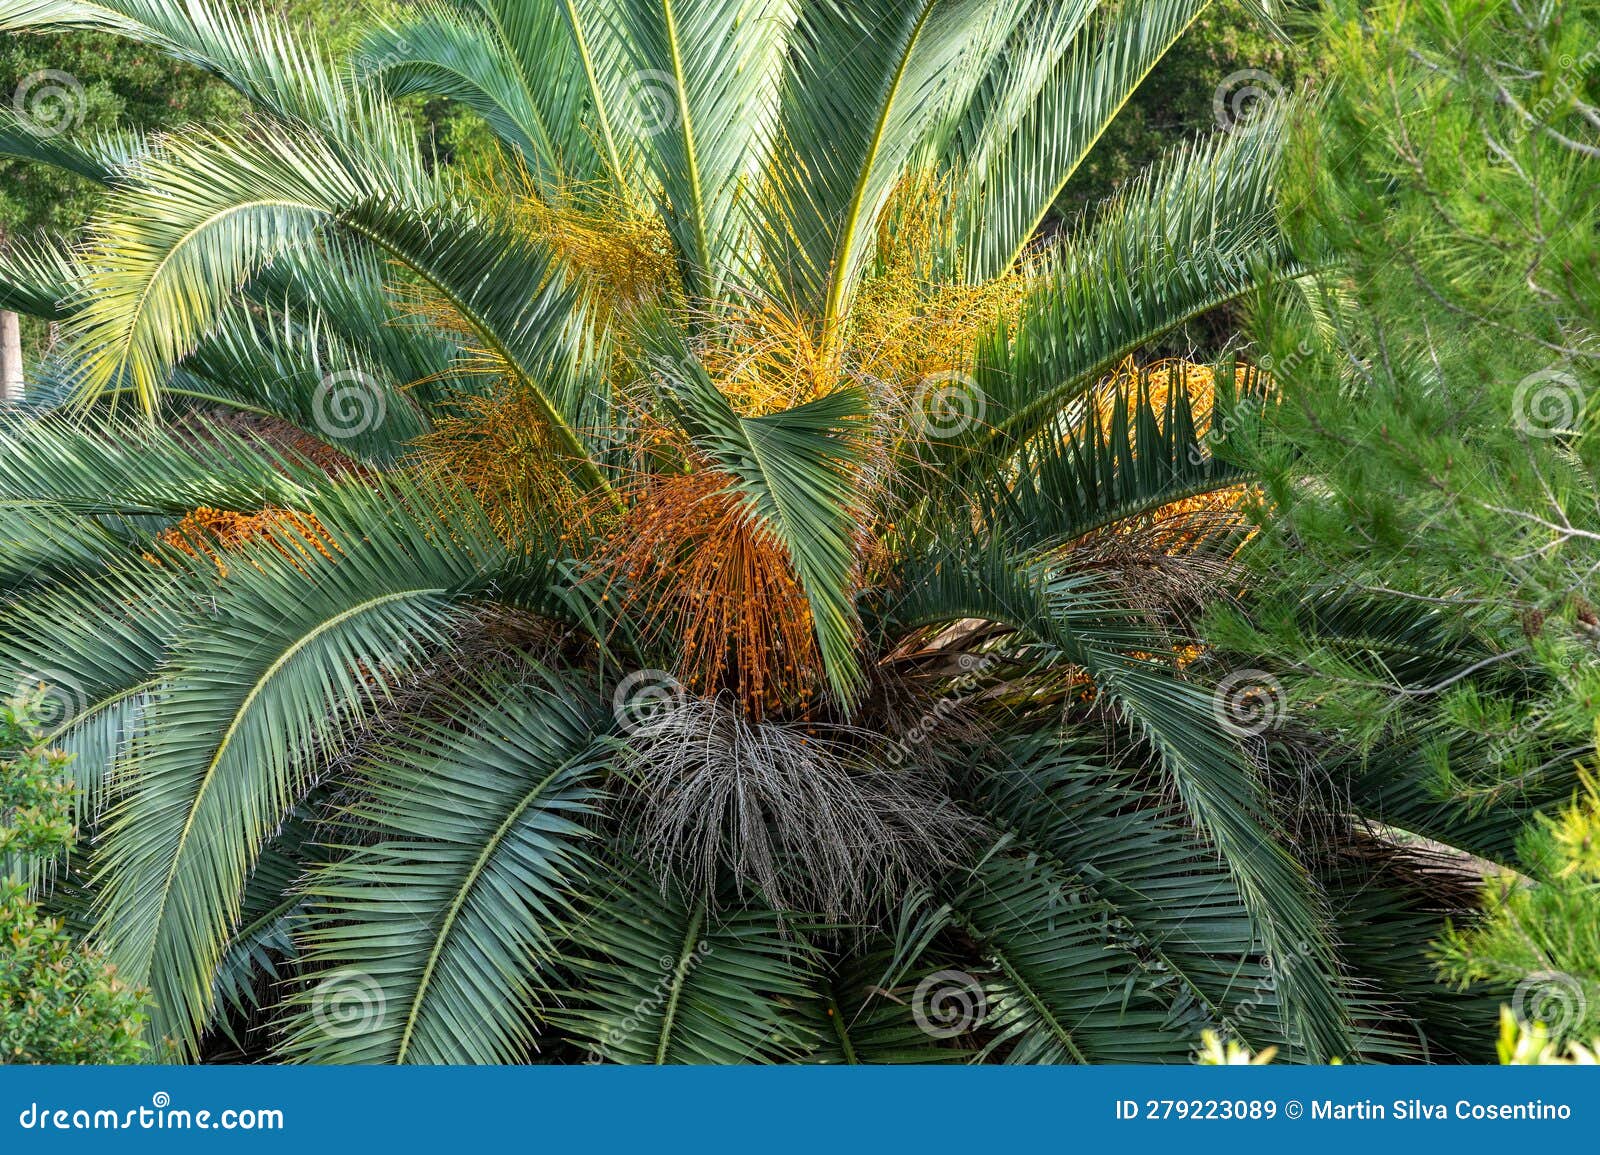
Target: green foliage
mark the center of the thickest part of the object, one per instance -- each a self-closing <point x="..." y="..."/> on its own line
<point x="1543" y="938"/>
<point x="94" y="85"/>
<point x="1433" y="457"/>
<point x="1431" y="471"/>
<point x="35" y="793"/>
<point x="60" y="1002"/>
<point x="356" y="794"/>
<point x="1177" y="99"/>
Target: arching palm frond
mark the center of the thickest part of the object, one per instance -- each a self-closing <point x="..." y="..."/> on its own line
<point x="252" y="701"/>
<point x="668" y="979"/>
<point x="454" y="915"/>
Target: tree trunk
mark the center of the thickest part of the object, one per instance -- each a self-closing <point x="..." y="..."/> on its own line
<point x="11" y="385"/>
<point x="10" y="358"/>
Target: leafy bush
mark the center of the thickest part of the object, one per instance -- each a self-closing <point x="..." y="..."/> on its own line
<point x="60" y="1002"/>
<point x="1544" y="938"/>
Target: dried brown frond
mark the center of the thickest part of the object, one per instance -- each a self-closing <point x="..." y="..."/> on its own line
<point x="691" y="553"/>
<point x="799" y="812"/>
<point x="1173" y="561"/>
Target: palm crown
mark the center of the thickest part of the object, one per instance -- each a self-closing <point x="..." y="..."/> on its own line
<point x="705" y="585"/>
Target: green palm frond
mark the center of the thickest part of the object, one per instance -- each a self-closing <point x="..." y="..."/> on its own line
<point x="513" y="64"/>
<point x="1111" y="468"/>
<point x="700" y="101"/>
<point x="1092" y="627"/>
<point x="295" y="367"/>
<point x="36" y="278"/>
<point x="1059" y="987"/>
<point x="1067" y="73"/>
<point x="260" y="954"/>
<point x="96" y="659"/>
<point x="125" y="468"/>
<point x="454" y="915"/>
<point x="98" y="159"/>
<point x="666" y="979"/>
<point x="1174" y="905"/>
<point x="867" y="1010"/>
<point x="255" y="697"/>
<point x="872" y="89"/>
<point x="1197" y="231"/>
<point x="174" y="244"/>
<point x="347" y="289"/>
<point x="794" y="468"/>
<point x="286" y="74"/>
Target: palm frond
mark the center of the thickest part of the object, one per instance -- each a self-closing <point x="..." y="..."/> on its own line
<point x="1126" y="453"/>
<point x="513" y="64"/>
<point x="124" y="468"/>
<point x="255" y="698"/>
<point x="453" y="915"/>
<point x="795" y="469"/>
<point x="36" y="279"/>
<point x="700" y="101"/>
<point x="1197" y="231"/>
<point x="1173" y="906"/>
<point x="667" y="980"/>
<point x="1066" y="75"/>
<point x="872" y="89"/>
<point x="1094" y="629"/>
<point x="98" y="159"/>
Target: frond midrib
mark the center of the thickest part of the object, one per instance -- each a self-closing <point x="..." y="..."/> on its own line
<point x="468" y="882"/>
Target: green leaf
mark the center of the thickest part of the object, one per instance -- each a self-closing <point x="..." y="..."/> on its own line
<point x="298" y="653"/>
<point x="797" y="471"/>
<point x="665" y="980"/>
<point x="454" y="911"/>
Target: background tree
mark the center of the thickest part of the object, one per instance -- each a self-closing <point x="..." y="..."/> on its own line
<point x="1430" y="469"/>
<point x="83" y="85"/>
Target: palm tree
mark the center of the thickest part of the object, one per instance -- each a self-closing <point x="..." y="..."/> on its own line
<point x="705" y="584"/>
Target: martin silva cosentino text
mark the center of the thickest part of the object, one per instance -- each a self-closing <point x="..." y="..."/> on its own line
<point x="1413" y="1109"/>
